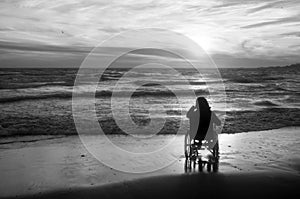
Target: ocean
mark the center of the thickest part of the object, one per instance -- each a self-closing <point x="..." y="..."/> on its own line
<point x="38" y="101"/>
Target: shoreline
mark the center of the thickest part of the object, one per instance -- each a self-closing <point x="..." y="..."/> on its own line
<point x="63" y="123"/>
<point x="255" y="185"/>
<point x="61" y="135"/>
<point x="49" y="165"/>
<point x="12" y="139"/>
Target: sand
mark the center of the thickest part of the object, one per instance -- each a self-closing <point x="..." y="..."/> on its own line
<point x="265" y="163"/>
<point x="258" y="185"/>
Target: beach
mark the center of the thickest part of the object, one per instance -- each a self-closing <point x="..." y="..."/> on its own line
<point x="38" y="101"/>
<point x="256" y="185"/>
<point x="42" y="153"/>
<point x="253" y="163"/>
<point x="149" y="99"/>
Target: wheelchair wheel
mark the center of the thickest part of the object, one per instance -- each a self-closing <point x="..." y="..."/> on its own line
<point x="187" y="146"/>
<point x="200" y="166"/>
<point x="216" y="157"/>
<point x="208" y="166"/>
<point x="215" y="166"/>
<point x="194" y="164"/>
<point x="187" y="165"/>
<point x="216" y="150"/>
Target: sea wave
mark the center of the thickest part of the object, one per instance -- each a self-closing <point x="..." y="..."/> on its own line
<point x="265" y="103"/>
<point x="242" y="80"/>
<point x="236" y="122"/>
<point x="176" y="82"/>
<point x="4" y="86"/>
<point x="35" y="97"/>
<point x="103" y="93"/>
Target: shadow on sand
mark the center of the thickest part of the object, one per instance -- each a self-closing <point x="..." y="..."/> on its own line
<point x="192" y="185"/>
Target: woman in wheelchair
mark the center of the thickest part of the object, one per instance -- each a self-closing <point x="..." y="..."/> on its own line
<point x="201" y="119"/>
<point x="202" y="123"/>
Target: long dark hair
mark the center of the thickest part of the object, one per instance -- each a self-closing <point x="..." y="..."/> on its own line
<point x="205" y="116"/>
<point x="202" y="104"/>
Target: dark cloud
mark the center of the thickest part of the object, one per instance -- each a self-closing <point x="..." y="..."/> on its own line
<point x="226" y="60"/>
<point x="39" y="55"/>
<point x="268" y="5"/>
<point x="291" y="34"/>
<point x="112" y="29"/>
<point x="274" y="22"/>
<point x="139" y="6"/>
<point x="6" y="29"/>
<point x="295" y="46"/>
<point x="226" y="5"/>
<point x="12" y="46"/>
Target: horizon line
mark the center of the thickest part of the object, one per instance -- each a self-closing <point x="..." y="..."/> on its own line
<point x="74" y="67"/>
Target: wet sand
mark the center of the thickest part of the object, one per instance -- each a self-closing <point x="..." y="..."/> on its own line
<point x="265" y="163"/>
<point x="198" y="185"/>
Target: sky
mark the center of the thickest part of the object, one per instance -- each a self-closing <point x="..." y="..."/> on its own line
<point x="235" y="33"/>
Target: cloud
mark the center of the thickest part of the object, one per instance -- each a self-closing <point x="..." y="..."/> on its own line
<point x="4" y="45"/>
<point x="230" y="27"/>
<point x="223" y="60"/>
<point x="266" y="6"/>
<point x="275" y="22"/>
<point x="291" y="34"/>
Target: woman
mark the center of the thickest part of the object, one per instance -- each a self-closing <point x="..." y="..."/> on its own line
<point x="201" y="119"/>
